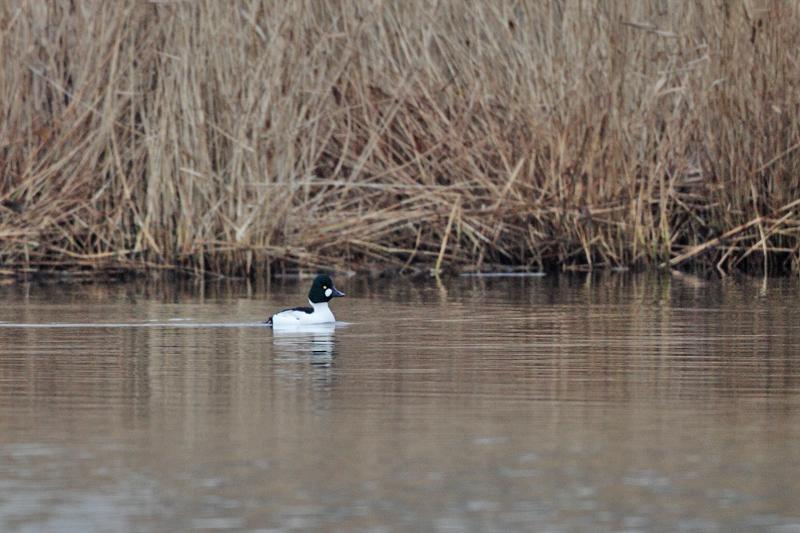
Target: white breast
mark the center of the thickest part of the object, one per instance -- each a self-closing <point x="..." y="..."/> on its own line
<point x="321" y="315"/>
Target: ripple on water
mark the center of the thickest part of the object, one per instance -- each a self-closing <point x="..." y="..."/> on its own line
<point x="478" y="403"/>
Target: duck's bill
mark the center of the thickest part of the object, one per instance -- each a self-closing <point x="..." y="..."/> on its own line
<point x="337" y="293"/>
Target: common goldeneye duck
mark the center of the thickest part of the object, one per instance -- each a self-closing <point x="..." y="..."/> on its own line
<point x="322" y="291"/>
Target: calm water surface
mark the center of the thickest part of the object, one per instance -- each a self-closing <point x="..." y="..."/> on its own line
<point x="550" y="404"/>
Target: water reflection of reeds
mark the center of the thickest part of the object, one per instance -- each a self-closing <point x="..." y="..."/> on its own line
<point x="559" y="402"/>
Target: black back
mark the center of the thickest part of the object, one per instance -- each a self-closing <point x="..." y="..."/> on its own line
<point x="305" y="309"/>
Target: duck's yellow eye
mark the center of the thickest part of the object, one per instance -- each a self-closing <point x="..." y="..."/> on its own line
<point x="324" y="286"/>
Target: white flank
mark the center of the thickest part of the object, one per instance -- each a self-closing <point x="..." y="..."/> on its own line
<point x="321" y="315"/>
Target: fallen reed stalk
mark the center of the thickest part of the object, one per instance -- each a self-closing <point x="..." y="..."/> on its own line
<point x="247" y="137"/>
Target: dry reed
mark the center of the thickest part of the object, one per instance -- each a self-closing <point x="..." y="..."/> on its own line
<point x="237" y="138"/>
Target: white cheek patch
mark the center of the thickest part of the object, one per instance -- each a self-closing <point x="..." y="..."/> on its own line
<point x="328" y="293"/>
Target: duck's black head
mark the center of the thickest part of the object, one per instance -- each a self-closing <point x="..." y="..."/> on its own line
<point x="322" y="290"/>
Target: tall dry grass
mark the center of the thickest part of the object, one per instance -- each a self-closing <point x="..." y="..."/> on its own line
<point x="240" y="137"/>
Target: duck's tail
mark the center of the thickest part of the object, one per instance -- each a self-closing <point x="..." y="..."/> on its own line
<point x="268" y="322"/>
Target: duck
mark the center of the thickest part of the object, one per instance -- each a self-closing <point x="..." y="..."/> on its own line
<point x="322" y="291"/>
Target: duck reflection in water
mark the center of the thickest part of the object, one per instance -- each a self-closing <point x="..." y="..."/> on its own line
<point x="299" y="343"/>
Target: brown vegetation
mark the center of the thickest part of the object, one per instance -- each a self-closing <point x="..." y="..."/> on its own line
<point x="240" y="137"/>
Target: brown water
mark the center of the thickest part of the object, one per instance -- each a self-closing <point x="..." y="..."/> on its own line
<point x="518" y="404"/>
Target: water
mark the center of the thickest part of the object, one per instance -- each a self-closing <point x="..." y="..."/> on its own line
<point x="551" y="404"/>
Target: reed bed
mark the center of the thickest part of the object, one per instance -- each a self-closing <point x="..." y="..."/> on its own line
<point x="243" y="138"/>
